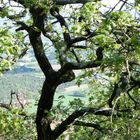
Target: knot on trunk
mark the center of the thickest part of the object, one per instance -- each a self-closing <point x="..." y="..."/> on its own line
<point x="67" y="77"/>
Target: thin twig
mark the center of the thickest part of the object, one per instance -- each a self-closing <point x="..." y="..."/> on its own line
<point x="22" y="106"/>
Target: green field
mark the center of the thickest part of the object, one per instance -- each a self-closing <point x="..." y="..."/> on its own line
<point x="29" y="84"/>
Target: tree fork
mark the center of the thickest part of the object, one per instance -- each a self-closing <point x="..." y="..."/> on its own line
<point x="46" y="102"/>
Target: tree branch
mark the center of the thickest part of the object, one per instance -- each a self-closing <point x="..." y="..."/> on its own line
<point x="55" y="12"/>
<point x="64" y="2"/>
<point x="136" y="102"/>
<point x="124" y="2"/>
<point x="6" y="106"/>
<point x="83" y="65"/>
<point x="36" y="40"/>
<point x="93" y="125"/>
<point x="23" y="26"/>
<point x="40" y="55"/>
<point x="22" y="2"/>
<point x="77" y="66"/>
<point x="63" y="126"/>
<point x="83" y="38"/>
<point x="79" y="46"/>
<point x="75" y="55"/>
<point x="78" y="39"/>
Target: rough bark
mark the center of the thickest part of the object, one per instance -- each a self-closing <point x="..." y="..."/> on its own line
<point x="45" y="104"/>
<point x="46" y="100"/>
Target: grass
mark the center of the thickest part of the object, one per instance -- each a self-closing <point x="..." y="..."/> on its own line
<point x="27" y="83"/>
<point x="30" y="84"/>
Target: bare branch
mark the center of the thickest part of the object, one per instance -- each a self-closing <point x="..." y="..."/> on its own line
<point x="22" y="106"/>
<point x="76" y="57"/>
<point x="83" y="65"/>
<point x="108" y="12"/>
<point x="60" y="2"/>
<point x="83" y="38"/>
<point x="123" y="5"/>
<point x="11" y="97"/>
<point x="36" y="40"/>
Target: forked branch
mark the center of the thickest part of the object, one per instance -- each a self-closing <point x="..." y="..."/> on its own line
<point x="71" y="119"/>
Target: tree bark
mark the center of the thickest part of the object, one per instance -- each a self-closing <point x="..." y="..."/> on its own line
<point x="45" y="104"/>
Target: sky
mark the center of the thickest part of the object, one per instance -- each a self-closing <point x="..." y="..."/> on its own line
<point x="112" y="3"/>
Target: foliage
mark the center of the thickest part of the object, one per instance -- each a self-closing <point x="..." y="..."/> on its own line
<point x="104" y="43"/>
<point x="11" y="48"/>
<point x="12" y="45"/>
<point x="15" y="126"/>
<point x="121" y="127"/>
<point x="8" y="49"/>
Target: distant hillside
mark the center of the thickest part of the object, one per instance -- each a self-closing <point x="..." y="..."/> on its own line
<point x="22" y="69"/>
<point x="26" y="77"/>
<point x="28" y="83"/>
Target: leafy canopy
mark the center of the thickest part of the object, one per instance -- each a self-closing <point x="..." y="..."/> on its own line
<point x="103" y="41"/>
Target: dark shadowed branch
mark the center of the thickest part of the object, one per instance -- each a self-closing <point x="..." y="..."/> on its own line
<point x="36" y="42"/>
<point x="83" y="65"/>
<point x="71" y="118"/>
<point x="23" y="26"/>
<point x="128" y="93"/>
<point x="55" y="12"/>
<point x="93" y="125"/>
<point x="22" y="2"/>
<point x="64" y="2"/>
<point x="79" y="46"/>
<point x="6" y="106"/>
<point x="78" y="39"/>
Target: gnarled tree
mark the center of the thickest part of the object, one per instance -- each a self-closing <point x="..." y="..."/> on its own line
<point x="84" y="37"/>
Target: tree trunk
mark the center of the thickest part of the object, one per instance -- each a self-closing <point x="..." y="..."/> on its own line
<point x="45" y="104"/>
